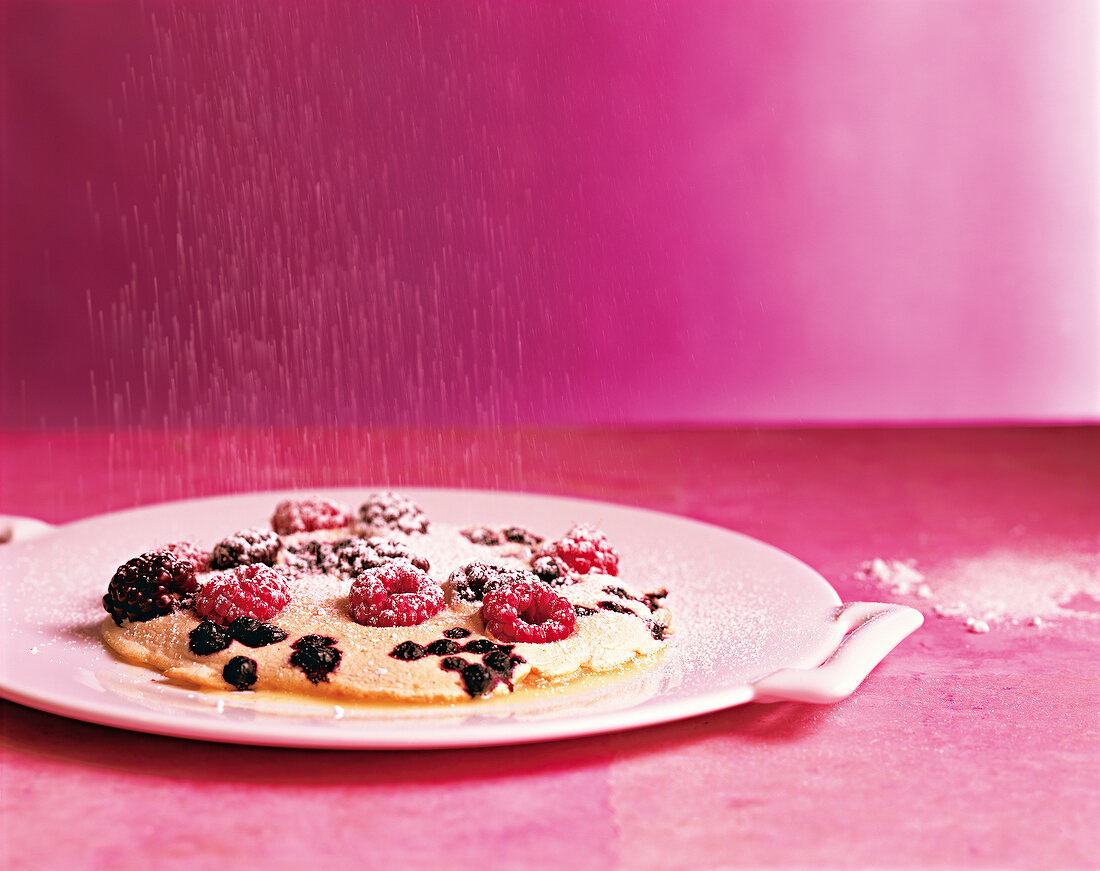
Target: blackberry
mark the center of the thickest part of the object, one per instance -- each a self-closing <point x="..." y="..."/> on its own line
<point x="245" y="548"/>
<point x="519" y="535"/>
<point x="477" y="679"/>
<point x="252" y="633"/>
<point x="458" y="632"/>
<point x="550" y="570"/>
<point x="480" y="645"/>
<point x="313" y="641"/>
<point x="391" y="510"/>
<point x="442" y="647"/>
<point x="408" y="651"/>
<point x="312" y="556"/>
<point x="583" y="610"/>
<point x="207" y="638"/>
<point x="481" y="535"/>
<point x="240" y="672"/>
<point x="353" y="556"/>
<point x="149" y="586"/>
<point x="452" y="663"/>
<point x="471" y="582"/>
<point x="616" y="607"/>
<point x="317" y="663"/>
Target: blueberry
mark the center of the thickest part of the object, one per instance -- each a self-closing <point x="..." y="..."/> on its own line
<point x="407" y="651"/>
<point x="479" y="645"/>
<point x="658" y="630"/>
<point x="616" y="607"/>
<point x="457" y="632"/>
<point x="240" y="672"/>
<point x="583" y="611"/>
<point x="498" y="660"/>
<point x="452" y="663"/>
<point x="252" y="633"/>
<point x="307" y="641"/>
<point x="316" y="662"/>
<point x="477" y="679"/>
<point x="442" y="647"/>
<point x="207" y="638"/>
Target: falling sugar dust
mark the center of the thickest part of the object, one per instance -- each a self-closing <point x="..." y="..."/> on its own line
<point x="995" y="589"/>
<point x="326" y="230"/>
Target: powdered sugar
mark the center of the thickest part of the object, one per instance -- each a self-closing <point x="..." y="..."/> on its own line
<point x="1000" y="587"/>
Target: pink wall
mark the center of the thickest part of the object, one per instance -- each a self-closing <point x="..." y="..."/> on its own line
<point x="602" y="212"/>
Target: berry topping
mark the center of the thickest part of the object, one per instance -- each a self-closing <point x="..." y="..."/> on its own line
<point x="255" y="591"/>
<point x="471" y="582"/>
<point x="398" y="594"/>
<point x="452" y="663"/>
<point x="408" y="651"/>
<point x="519" y="535"/>
<point x="313" y="641"/>
<point x="391" y="510"/>
<point x="529" y="612"/>
<point x="191" y="552"/>
<point x="207" y="638"/>
<point x="442" y="647"/>
<point x="584" y="549"/>
<point x="357" y="555"/>
<point x="317" y="661"/>
<point x="240" y="672"/>
<point x="308" y="515"/>
<point x="252" y="633"/>
<point x="477" y="679"/>
<point x="616" y="607"/>
<point x="655" y="599"/>
<point x="149" y="586"/>
<point x="457" y="632"/>
<point x="551" y="570"/>
<point x="499" y="660"/>
<point x="480" y="645"/>
<point x="245" y="548"/>
<point x="481" y="535"/>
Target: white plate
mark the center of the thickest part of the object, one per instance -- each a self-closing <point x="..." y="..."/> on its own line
<point x="752" y="624"/>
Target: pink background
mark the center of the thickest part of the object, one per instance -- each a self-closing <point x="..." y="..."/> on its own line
<point x="442" y="213"/>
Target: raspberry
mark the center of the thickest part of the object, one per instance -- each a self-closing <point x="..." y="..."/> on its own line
<point x="240" y="672"/>
<point x="247" y="591"/>
<point x="391" y="510"/>
<point x="149" y="586"/>
<point x="397" y="594"/>
<point x="247" y="547"/>
<point x="584" y="549"/>
<point x="471" y="582"/>
<point x="354" y="556"/>
<point x="308" y="515"/>
<point x="528" y="612"/>
<point x="191" y="552"/>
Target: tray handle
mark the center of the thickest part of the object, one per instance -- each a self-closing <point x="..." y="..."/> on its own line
<point x="871" y="630"/>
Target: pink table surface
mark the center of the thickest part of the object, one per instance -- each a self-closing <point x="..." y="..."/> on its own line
<point x="959" y="750"/>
